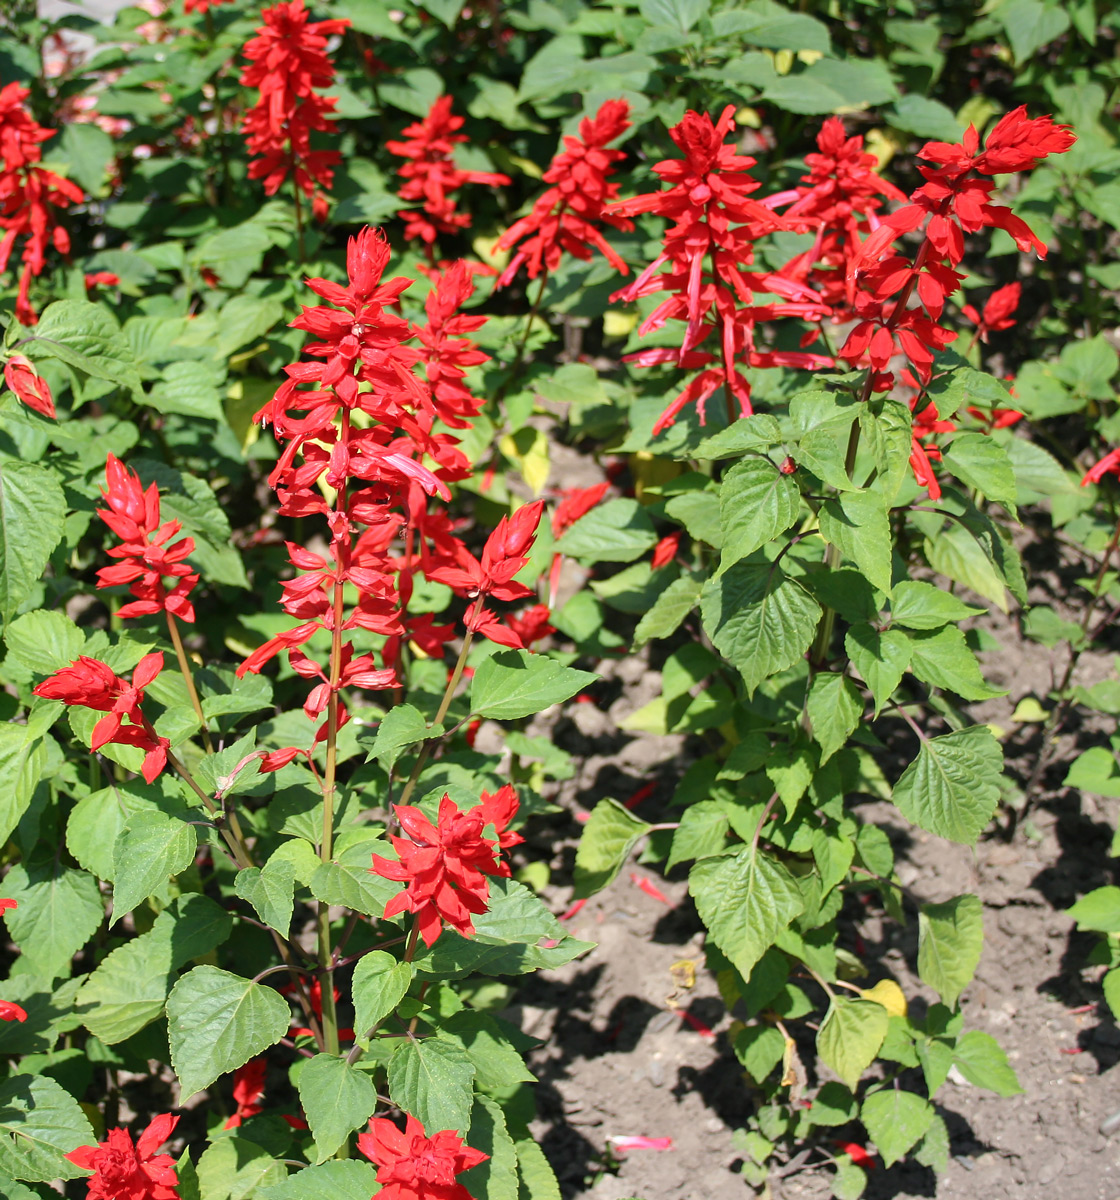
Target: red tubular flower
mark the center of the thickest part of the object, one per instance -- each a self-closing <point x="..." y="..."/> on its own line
<point x="665" y="551"/>
<point x="248" y="1091"/>
<point x="146" y="558"/>
<point x="32" y="389"/>
<point x="532" y="625"/>
<point x="101" y="279"/>
<point x="201" y="6"/>
<point x="922" y="456"/>
<point x="29" y="194"/>
<point x="446" y="866"/>
<point x="430" y="174"/>
<point x="13" y="1012"/>
<point x="123" y="1171"/>
<point x="415" y="1167"/>
<point x="93" y="684"/>
<point x="288" y="61"/>
<point x="565" y="216"/>
<point x="999" y="311"/>
<point x="447" y="353"/>
<point x="1109" y="465"/>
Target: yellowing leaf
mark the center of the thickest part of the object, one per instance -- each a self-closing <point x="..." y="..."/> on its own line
<point x="887" y="993"/>
<point x="618" y="324"/>
<point x="1028" y="711"/>
<point x="533" y="462"/>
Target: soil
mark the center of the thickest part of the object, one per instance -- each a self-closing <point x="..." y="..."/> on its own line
<point x="619" y="1057"/>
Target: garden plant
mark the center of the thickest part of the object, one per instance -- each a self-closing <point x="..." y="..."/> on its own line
<point x="380" y="380"/>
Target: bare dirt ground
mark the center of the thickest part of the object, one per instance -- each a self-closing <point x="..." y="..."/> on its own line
<point x="618" y="1058"/>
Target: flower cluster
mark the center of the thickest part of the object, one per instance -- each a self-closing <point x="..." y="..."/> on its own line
<point x="566" y="215"/>
<point x="447" y="865"/>
<point x="431" y="176"/>
<point x="124" y="1171"/>
<point x="707" y="251"/>
<point x="358" y="415"/>
<point x="29" y="196"/>
<point x="415" y="1167"/>
<point x="91" y="683"/>
<point x="146" y="558"/>
<point x="288" y="62"/>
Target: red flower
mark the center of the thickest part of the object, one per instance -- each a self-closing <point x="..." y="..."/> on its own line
<point x="447" y="354"/>
<point x="146" y="559"/>
<point x="288" y="61"/>
<point x="446" y="866"/>
<point x="93" y="684"/>
<point x="201" y="6"/>
<point x="122" y="1171"/>
<point x="857" y="1154"/>
<point x="32" y="389"/>
<point x="532" y="625"/>
<point x="999" y="311"/>
<point x="431" y="175"/>
<point x="563" y="217"/>
<point x="415" y="1167"/>
<point x="1109" y="465"/>
<point x="101" y="279"/>
<point x="248" y="1091"/>
<point x="922" y="457"/>
<point x="665" y="551"/>
<point x="11" y="1012"/>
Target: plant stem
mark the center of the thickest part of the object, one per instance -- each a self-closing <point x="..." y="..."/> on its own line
<point x="300" y="249"/>
<point x="519" y="357"/>
<point x="188" y="678"/>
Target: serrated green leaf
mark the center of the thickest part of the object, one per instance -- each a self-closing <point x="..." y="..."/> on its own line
<point x="895" y="1120"/>
<point x="759" y="1048"/>
<point x="86" y="336"/>
<point x="150" y="849"/>
<point x="32" y="509"/>
<point x="856" y="523"/>
<point x="402" y="726"/>
<point x="271" y="891"/>
<point x="379" y="985"/>
<point x="617" y="531"/>
<point x="834" y="707"/>
<point x="432" y="1079"/>
<point x="759" y="619"/>
<point x="337" y="1098"/>
<point x="217" y="1021"/>
<point x="44" y="641"/>
<point x="496" y="1179"/>
<point x="515" y="683"/>
<point x="982" y="1061"/>
<point x="40" y="1123"/>
<point x="952" y="788"/>
<point x="834" y="1104"/>
<point x="983" y="464"/>
<point x="950" y="939"/>
<point x="348" y="880"/>
<point x="942" y="657"/>
<point x="702" y="832"/>
<point x="233" y="1168"/>
<point x="746" y="900"/>
<point x="850" y="1037"/>
<point x="608" y="837"/>
<point x="497" y="1064"/>
<point x="933" y="1149"/>
<point x="881" y="657"/>
<point x="756" y="503"/>
<point x="1098" y="910"/>
<point x="669" y="609"/>
<point x="538" y="1180"/>
<point x="58" y="910"/>
<point x="22" y="758"/>
<point x="757" y="432"/>
<point x="918" y="605"/>
<point x="348" y="1179"/>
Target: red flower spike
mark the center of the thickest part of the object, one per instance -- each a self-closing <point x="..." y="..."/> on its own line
<point x="288" y="62"/>
<point x="412" y="1166"/>
<point x="446" y="866"/>
<point x="248" y="1091"/>
<point x="431" y="175"/>
<point x="1109" y="465"/>
<point x="566" y="215"/>
<point x="32" y="389"/>
<point x="123" y="1171"/>
<point x="146" y="558"/>
<point x="93" y="684"/>
<point x="665" y="551"/>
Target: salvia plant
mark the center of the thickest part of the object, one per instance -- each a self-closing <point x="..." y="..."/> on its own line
<point x="255" y="850"/>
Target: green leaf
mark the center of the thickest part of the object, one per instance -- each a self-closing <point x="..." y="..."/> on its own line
<point x="495" y="1179"/>
<point x="983" y="464"/>
<point x="669" y="609"/>
<point x="834" y="1104"/>
<point x="44" y="641"/>
<point x="348" y="880"/>
<point x="856" y="523"/>
<point x="1095" y="770"/>
<point x="608" y="837"/>
<point x="759" y="1048"/>
<point x="217" y="1021"/>
<point x="850" y="1181"/>
<point x="772" y="26"/>
<point x="432" y="1079"/>
<point x="757" y="432"/>
<point x="538" y="1180"/>
<point x="129" y="988"/>
<point x="982" y="1061"/>
<point x="32" y="509"/>
<point x="850" y="1037"/>
<point x="189" y="388"/>
<point x="952" y="788"/>
<point x="349" y="1179"/>
<point x="151" y="849"/>
<point x="746" y="900"/>
<point x="1030" y="25"/>
<point x="830" y="85"/>
<point x="919" y="605"/>
<point x="617" y="531"/>
<point x="88" y="150"/>
<point x="942" y="657"/>
<point x="702" y="832"/>
<point x="245" y="319"/>
<point x="1098" y="911"/>
<point x="271" y="891"/>
<point x="925" y="118"/>
<point x="59" y="910"/>
<point x="379" y="985"/>
<point x="698" y="512"/>
<point x="759" y="619"/>
<point x="933" y="1150"/>
<point x="40" y="1123"/>
<point x="515" y="683"/>
<point x="1037" y="470"/>
<point x="895" y="1121"/>
<point x="881" y="657"/>
<point x="233" y="1168"/>
<point x="756" y="503"/>
<point x="22" y="759"/>
<point x="950" y="939"/>
<point x="402" y="726"/>
<point x="86" y="336"/>
<point x="674" y="14"/>
<point x="834" y="707"/>
<point x="337" y="1098"/>
<point x="497" y="1064"/>
<point x="1111" y="985"/>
